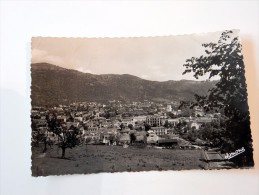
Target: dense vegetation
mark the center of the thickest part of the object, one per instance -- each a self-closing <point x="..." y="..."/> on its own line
<point x="224" y="59"/>
<point x="54" y="85"/>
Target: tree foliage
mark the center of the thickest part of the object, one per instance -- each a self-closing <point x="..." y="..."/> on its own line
<point x="132" y="138"/>
<point x="68" y="138"/>
<point x="224" y="61"/>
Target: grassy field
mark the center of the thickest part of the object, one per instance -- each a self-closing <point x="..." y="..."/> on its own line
<point x="98" y="158"/>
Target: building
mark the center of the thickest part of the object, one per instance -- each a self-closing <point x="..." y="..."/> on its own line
<point x="173" y="121"/>
<point x="139" y="118"/>
<point x="128" y="121"/>
<point x="40" y="122"/>
<point x="170" y="131"/>
<point x="168" y="143"/>
<point x="62" y="118"/>
<point x="169" y="108"/>
<point x="195" y="125"/>
<point x="159" y="130"/>
<point x="153" y="120"/>
<point x="198" y="112"/>
<point x="91" y="129"/>
<point x="78" y="119"/>
<point x="152" y="138"/>
<point x="200" y="122"/>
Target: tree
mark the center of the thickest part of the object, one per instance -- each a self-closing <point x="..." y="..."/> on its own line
<point x="68" y="138"/>
<point x="224" y="60"/>
<point x="122" y="126"/>
<point x="130" y="126"/>
<point x="112" y="138"/>
<point x="166" y="125"/>
<point x="132" y="138"/>
<point x="147" y="127"/>
<point x="40" y="135"/>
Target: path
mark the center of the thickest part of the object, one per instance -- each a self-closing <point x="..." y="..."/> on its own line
<point x="215" y="160"/>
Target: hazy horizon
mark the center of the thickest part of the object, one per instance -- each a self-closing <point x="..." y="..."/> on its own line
<point x="158" y="58"/>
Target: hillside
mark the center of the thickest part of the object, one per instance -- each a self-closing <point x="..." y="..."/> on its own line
<point x="55" y="85"/>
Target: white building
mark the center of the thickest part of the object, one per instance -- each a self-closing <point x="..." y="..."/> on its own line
<point x="169" y="108"/>
<point x="159" y="130"/>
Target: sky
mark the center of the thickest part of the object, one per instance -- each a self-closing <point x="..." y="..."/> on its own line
<point x="152" y="58"/>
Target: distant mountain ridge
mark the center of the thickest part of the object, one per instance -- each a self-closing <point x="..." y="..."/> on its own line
<point x="52" y="85"/>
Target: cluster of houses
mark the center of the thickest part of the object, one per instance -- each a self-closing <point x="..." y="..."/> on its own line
<point x="105" y="124"/>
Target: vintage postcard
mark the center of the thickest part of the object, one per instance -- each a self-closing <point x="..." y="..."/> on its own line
<point x="139" y="104"/>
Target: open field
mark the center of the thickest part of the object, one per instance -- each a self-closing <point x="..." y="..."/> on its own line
<point x="98" y="158"/>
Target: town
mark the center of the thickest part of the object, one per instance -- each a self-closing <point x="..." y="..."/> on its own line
<point x="159" y="125"/>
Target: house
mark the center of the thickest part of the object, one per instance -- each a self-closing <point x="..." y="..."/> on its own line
<point x="139" y="119"/>
<point x="198" y="112"/>
<point x="106" y="139"/>
<point x="91" y="130"/>
<point x="170" y="131"/>
<point x="62" y="118"/>
<point x="40" y="122"/>
<point x="152" y="138"/>
<point x="106" y="124"/>
<point x="159" y="130"/>
<point x="153" y="120"/>
<point x="204" y="119"/>
<point x="174" y="121"/>
<point x="169" y="108"/>
<point x="124" y="139"/>
<point x="128" y="121"/>
<point x="59" y="109"/>
<point x="195" y="125"/>
<point x="78" y="119"/>
<point x="99" y="120"/>
<point x="199" y="122"/>
<point x="94" y="138"/>
<point x="42" y="130"/>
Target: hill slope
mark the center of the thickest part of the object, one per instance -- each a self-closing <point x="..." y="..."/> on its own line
<point x="55" y="85"/>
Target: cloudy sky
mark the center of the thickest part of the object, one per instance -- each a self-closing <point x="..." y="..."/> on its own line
<point x="151" y="58"/>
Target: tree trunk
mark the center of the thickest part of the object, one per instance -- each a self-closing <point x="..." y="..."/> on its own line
<point x="45" y="146"/>
<point x="63" y="152"/>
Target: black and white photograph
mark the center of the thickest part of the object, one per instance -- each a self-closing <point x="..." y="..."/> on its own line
<point x="137" y="104"/>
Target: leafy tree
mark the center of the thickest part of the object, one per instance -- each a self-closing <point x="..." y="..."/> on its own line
<point x="68" y="138"/>
<point x="122" y="126"/>
<point x="171" y="115"/>
<point x="87" y="140"/>
<point x="130" y="126"/>
<point x="112" y="138"/>
<point x="192" y="135"/>
<point x="224" y="60"/>
<point x="147" y="127"/>
<point x="107" y="115"/>
<point x="40" y="136"/>
<point x="212" y="133"/>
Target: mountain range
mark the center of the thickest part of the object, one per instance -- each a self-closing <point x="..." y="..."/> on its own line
<point x="53" y="85"/>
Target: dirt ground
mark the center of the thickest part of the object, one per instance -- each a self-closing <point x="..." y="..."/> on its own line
<point x="101" y="158"/>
